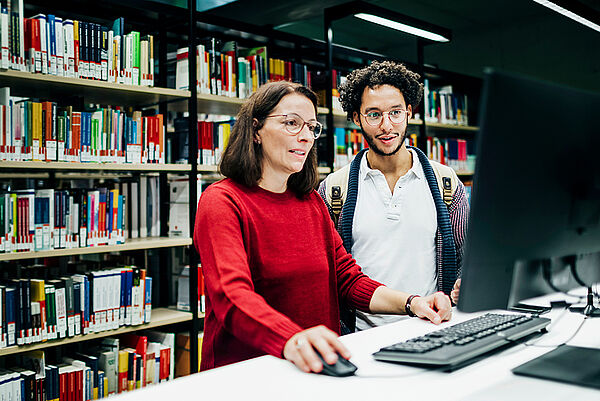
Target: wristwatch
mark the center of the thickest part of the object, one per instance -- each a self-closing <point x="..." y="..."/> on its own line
<point x="407" y="308"/>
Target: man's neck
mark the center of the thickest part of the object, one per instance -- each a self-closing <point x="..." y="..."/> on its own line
<point x="391" y="166"/>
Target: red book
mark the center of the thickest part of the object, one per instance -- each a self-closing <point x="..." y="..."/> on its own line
<point x="71" y="379"/>
<point x="63" y="385"/>
<point x="76" y="132"/>
<point x="79" y="386"/>
<point x="161" y="136"/>
<point x="165" y="363"/>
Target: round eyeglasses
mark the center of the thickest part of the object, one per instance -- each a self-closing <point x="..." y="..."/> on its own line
<point x="293" y="124"/>
<point x="374" y="118"/>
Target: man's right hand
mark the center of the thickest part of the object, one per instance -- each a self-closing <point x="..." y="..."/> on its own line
<point x="455" y="292"/>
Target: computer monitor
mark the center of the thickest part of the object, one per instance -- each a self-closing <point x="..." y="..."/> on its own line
<point x="536" y="190"/>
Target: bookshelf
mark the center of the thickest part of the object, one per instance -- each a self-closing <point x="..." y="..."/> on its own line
<point x="160" y="317"/>
<point x="147" y="17"/>
<point x="48" y="86"/>
<point x="130" y="245"/>
<point x="149" y="167"/>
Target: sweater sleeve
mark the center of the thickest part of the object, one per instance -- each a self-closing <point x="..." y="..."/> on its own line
<point x="218" y="237"/>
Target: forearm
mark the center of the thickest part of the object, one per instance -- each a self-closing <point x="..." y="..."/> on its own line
<point x="388" y="301"/>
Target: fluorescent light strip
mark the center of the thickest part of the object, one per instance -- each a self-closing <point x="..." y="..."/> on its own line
<point x="569" y="14"/>
<point x="402" y="27"/>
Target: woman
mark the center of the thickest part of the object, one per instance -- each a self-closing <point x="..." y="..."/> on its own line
<point x="273" y="263"/>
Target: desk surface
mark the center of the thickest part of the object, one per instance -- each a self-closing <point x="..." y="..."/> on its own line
<point x="270" y="378"/>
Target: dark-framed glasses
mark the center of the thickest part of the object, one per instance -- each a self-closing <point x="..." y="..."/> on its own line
<point x="374" y="118"/>
<point x="293" y="124"/>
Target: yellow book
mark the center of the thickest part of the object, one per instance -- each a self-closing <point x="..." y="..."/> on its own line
<point x="38" y="294"/>
<point x="123" y="385"/>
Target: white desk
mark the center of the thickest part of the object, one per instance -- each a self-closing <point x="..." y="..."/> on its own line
<point x="270" y="378"/>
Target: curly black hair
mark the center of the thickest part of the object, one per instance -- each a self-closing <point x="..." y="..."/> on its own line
<point x="380" y="73"/>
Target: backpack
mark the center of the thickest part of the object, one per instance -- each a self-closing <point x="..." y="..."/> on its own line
<point x="337" y="186"/>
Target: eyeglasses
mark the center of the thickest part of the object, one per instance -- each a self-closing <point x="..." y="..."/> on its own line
<point x="374" y="118"/>
<point x="294" y="123"/>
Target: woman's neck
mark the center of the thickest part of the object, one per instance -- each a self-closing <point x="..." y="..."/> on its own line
<point x="273" y="182"/>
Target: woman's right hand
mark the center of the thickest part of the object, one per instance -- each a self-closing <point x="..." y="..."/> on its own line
<point x="300" y="348"/>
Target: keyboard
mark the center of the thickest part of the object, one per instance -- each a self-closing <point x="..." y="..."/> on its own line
<point x="463" y="343"/>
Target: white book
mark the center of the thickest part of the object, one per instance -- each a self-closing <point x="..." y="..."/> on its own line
<point x="135" y="210"/>
<point x="111" y="54"/>
<point x="182" y="69"/>
<point x="61" y="312"/>
<point x="69" y="49"/>
<point x="143" y="206"/>
<point x="5" y="61"/>
<point x="116" y="276"/>
<point x="60" y="46"/>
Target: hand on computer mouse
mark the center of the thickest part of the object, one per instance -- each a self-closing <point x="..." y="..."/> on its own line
<point x="302" y="349"/>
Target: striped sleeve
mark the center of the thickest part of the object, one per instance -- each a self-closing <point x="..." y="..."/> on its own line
<point x="459" y="217"/>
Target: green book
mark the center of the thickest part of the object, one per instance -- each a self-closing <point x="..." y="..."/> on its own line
<point x="135" y="76"/>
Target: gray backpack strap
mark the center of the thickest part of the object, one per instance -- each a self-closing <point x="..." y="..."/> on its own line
<point x="336" y="190"/>
<point x="336" y="203"/>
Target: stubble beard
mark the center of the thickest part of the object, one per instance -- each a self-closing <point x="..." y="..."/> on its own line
<point x="372" y="146"/>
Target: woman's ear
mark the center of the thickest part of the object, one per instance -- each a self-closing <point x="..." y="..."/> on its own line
<point x="255" y="129"/>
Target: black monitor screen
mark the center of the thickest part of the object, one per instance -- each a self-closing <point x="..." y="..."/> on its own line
<point x="536" y="189"/>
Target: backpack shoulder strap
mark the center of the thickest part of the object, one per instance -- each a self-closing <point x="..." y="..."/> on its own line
<point x="447" y="180"/>
<point x="336" y="190"/>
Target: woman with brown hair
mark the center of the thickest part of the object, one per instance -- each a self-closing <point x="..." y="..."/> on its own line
<point x="275" y="268"/>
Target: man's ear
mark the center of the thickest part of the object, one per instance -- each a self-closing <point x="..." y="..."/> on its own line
<point x="356" y="118"/>
<point x="409" y="112"/>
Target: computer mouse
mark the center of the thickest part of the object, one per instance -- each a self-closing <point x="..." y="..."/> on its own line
<point x="341" y="368"/>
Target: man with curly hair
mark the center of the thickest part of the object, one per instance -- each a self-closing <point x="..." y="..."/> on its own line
<point x="403" y="217"/>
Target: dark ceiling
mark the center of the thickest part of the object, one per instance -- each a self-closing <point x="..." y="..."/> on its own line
<point x="513" y="35"/>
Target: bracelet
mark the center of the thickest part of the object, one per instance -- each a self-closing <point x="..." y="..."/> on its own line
<point x="407" y="308"/>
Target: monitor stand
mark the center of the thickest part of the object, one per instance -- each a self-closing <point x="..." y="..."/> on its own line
<point x="589" y="309"/>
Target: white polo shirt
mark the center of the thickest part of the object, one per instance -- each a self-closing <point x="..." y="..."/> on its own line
<point x="394" y="234"/>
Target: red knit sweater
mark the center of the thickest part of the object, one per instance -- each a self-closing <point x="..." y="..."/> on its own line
<point x="273" y="265"/>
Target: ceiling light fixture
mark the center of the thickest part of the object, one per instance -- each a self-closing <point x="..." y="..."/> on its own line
<point x="402" y="27"/>
<point x="573" y="10"/>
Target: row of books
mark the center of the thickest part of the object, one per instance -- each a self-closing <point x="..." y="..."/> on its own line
<point x="37" y="310"/>
<point x="444" y="106"/>
<point x="32" y="130"/>
<point x="213" y="137"/>
<point x="223" y="69"/>
<point x="452" y="152"/>
<point x="45" y="219"/>
<point x="112" y="366"/>
<point x="48" y="44"/>
<point x="183" y="290"/>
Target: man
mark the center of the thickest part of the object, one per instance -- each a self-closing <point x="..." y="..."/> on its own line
<point x="404" y="217"/>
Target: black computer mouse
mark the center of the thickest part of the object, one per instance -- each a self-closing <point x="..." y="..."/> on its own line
<point x="341" y="368"/>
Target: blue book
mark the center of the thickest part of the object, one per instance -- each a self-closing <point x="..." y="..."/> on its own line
<point x="109" y="212"/>
<point x="100" y="384"/>
<point x="77" y="306"/>
<point x="52" y="36"/>
<point x="11" y="316"/>
<point x="120" y="213"/>
<point x="148" y="300"/>
<point x="123" y="297"/>
<point x="128" y="287"/>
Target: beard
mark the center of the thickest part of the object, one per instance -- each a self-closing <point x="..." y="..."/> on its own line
<point x="371" y="142"/>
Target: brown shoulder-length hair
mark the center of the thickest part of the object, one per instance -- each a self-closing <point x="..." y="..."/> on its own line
<point x="242" y="158"/>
